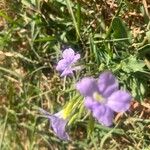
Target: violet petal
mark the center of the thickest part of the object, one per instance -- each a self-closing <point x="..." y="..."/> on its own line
<point x="103" y="114"/>
<point x="58" y="126"/>
<point x="107" y="84"/>
<point x="87" y="86"/>
<point x="67" y="71"/>
<point x="119" y="101"/>
<point x="68" y="54"/>
<point x="62" y="64"/>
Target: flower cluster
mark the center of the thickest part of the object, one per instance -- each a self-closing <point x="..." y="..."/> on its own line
<point x="66" y="65"/>
<point x="102" y="96"/>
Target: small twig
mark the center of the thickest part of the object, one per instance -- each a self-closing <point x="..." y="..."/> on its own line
<point x="64" y="84"/>
<point x="145" y="105"/>
<point x="146" y="10"/>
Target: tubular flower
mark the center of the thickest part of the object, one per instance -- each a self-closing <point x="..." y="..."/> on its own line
<point x="103" y="97"/>
<point x="58" y="124"/>
<point x="66" y="65"/>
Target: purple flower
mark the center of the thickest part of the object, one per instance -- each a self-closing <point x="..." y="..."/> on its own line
<point x="103" y="97"/>
<point x="58" y="124"/>
<point x="66" y="65"/>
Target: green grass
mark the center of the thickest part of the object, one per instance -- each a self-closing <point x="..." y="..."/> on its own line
<point x="32" y="35"/>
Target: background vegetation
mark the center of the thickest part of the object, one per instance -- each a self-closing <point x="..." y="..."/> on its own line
<point x="112" y="34"/>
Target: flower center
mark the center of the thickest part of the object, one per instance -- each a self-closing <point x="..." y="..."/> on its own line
<point x="98" y="97"/>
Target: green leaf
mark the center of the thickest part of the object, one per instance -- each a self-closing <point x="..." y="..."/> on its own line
<point x="131" y="64"/>
<point x="45" y="39"/>
<point x="71" y="106"/>
<point x="73" y="119"/>
<point x="68" y="2"/>
<point x="138" y="88"/>
<point x="90" y="126"/>
<point x="119" y="29"/>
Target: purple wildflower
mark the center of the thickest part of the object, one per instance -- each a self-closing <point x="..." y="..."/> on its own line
<point x="58" y="124"/>
<point x="66" y="65"/>
<point x="103" y="97"/>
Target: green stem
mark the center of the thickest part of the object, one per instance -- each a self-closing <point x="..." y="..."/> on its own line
<point x="4" y="130"/>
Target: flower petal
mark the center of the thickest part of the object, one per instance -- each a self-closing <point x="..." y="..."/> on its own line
<point x="87" y="86"/>
<point x="62" y="64"/>
<point x="58" y="125"/>
<point x="90" y="103"/>
<point x="67" y="71"/>
<point x="107" y="84"/>
<point x="119" y="101"/>
<point x="68" y="54"/>
<point x="103" y="114"/>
